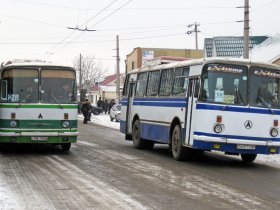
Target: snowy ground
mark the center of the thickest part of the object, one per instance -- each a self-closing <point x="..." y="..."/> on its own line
<point x="104" y="120"/>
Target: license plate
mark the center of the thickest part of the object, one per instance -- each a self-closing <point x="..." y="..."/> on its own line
<point x="243" y="146"/>
<point x="39" y="138"/>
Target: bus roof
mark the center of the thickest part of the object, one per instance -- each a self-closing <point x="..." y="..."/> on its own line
<point x="203" y="61"/>
<point x="37" y="64"/>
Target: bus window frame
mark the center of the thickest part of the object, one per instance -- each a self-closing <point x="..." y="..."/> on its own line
<point x="137" y="83"/>
<point x="187" y="76"/>
<point x="158" y="83"/>
<point x="172" y="81"/>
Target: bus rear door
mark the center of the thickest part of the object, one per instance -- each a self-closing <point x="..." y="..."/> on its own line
<point x="129" y="108"/>
<point x="192" y="95"/>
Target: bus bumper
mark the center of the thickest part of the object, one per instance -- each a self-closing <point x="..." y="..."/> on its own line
<point x="39" y="137"/>
<point x="236" y="145"/>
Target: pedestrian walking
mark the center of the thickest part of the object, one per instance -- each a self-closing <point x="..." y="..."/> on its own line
<point x="86" y="107"/>
<point x="106" y="106"/>
<point x="100" y="102"/>
<point x="112" y="103"/>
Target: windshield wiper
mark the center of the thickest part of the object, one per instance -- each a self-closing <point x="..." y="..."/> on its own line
<point x="226" y="106"/>
<point x="266" y="104"/>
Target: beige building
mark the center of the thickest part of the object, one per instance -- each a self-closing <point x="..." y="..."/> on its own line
<point x="139" y="55"/>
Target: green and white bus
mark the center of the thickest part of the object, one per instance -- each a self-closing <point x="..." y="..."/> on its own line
<point x="38" y="104"/>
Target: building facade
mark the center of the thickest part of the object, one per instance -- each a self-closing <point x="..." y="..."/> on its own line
<point x="107" y="89"/>
<point x="139" y="56"/>
<point x="229" y="46"/>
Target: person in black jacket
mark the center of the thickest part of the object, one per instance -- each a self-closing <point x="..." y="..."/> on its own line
<point x="112" y="103"/>
<point x="86" y="107"/>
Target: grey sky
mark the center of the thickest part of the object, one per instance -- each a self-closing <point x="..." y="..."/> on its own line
<point x="38" y="28"/>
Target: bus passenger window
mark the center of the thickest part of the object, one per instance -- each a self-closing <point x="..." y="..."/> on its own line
<point x="152" y="89"/>
<point x="196" y="91"/>
<point x="125" y="86"/>
<point x="141" y="84"/>
<point x="180" y="81"/>
<point x="166" y="82"/>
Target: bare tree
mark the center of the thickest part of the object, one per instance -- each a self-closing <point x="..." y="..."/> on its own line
<point x="91" y="71"/>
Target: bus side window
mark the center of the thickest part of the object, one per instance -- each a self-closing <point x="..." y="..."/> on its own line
<point x="4" y="90"/>
<point x="125" y="86"/>
<point x="180" y="81"/>
<point x="141" y="84"/>
<point x="153" y="83"/>
<point x="196" y="90"/>
<point x="166" y="82"/>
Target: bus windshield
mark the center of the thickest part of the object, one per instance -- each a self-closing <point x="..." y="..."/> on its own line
<point x="224" y="84"/>
<point x="22" y="85"/>
<point x="58" y="86"/>
<point x="264" y="87"/>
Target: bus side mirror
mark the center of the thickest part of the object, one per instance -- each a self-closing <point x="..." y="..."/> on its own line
<point x="4" y="90"/>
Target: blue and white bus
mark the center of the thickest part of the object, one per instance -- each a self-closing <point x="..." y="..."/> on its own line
<point x="228" y="105"/>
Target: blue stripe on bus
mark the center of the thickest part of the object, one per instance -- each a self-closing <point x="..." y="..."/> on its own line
<point x="232" y="148"/>
<point x="236" y="137"/>
<point x="156" y="99"/>
<point x="237" y="109"/>
<point x="159" y="103"/>
<point x="156" y="133"/>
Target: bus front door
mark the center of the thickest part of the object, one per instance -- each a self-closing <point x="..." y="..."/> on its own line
<point x="131" y="92"/>
<point x="192" y="95"/>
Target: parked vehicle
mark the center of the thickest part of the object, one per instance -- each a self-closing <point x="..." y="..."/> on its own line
<point x="115" y="112"/>
<point x="96" y="110"/>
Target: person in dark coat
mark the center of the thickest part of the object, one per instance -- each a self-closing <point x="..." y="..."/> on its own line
<point x="112" y="103"/>
<point x="106" y="106"/>
<point x="86" y="108"/>
<point x="100" y="102"/>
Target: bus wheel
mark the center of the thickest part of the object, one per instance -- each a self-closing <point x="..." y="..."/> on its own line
<point x="248" y="158"/>
<point x="138" y="143"/>
<point x="65" y="146"/>
<point x="178" y="151"/>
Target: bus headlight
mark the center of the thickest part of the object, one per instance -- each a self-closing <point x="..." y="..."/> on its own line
<point x="65" y="124"/>
<point x="218" y="128"/>
<point x="13" y="123"/>
<point x="274" y="132"/>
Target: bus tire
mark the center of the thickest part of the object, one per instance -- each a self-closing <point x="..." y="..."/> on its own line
<point x="65" y="146"/>
<point x="178" y="151"/>
<point x="138" y="142"/>
<point x="248" y="158"/>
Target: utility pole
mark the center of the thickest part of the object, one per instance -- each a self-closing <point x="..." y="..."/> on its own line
<point x="118" y="69"/>
<point x="246" y="30"/>
<point x="195" y="30"/>
<point x="80" y="78"/>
